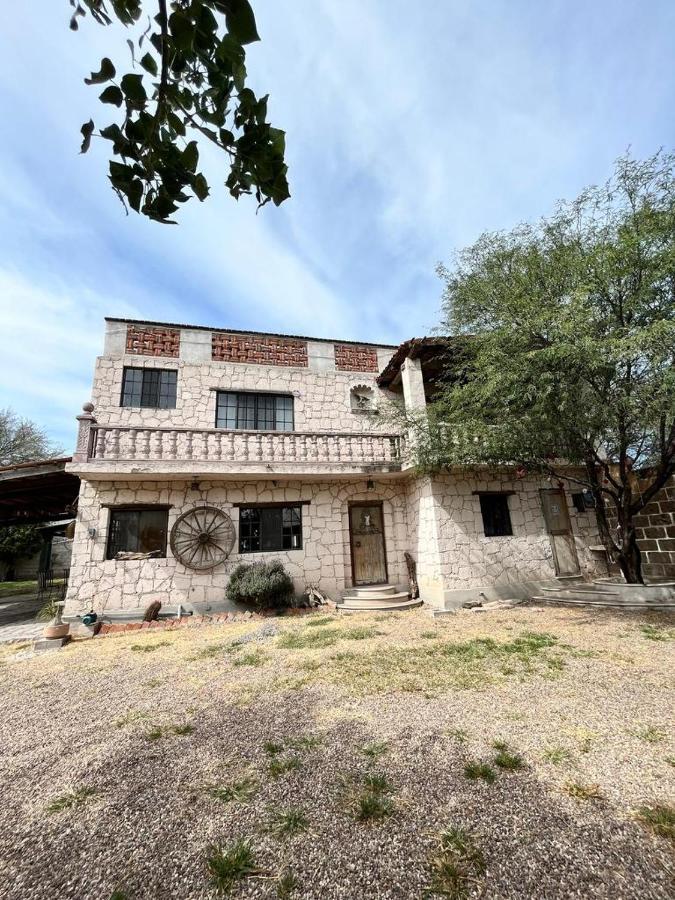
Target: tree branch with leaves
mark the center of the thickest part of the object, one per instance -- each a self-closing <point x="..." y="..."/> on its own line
<point x="191" y="86"/>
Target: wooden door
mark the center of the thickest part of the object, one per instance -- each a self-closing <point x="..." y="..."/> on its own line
<point x="366" y="534"/>
<point x="559" y="527"/>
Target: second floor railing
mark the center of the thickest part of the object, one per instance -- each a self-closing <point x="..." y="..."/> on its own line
<point x="112" y="442"/>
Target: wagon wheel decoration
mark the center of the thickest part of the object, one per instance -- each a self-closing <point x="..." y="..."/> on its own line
<point x="202" y="538"/>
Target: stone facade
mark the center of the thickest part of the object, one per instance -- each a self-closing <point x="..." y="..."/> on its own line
<point x="324" y="558"/>
<point x="335" y="455"/>
<point x="322" y="400"/>
<point x="655" y="527"/>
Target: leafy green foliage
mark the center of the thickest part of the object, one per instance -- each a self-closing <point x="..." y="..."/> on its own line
<point x="561" y="349"/>
<point x="265" y="585"/>
<point x="17" y="541"/>
<point x="188" y="83"/>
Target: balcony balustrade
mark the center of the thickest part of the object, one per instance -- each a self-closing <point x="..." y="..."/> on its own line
<point x="113" y="443"/>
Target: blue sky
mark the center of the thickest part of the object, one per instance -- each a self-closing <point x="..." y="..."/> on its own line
<point x="411" y="128"/>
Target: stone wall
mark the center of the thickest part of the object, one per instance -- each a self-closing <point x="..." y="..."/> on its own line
<point x="324" y="559"/>
<point x="322" y="399"/>
<point x="470" y="559"/>
<point x="655" y="527"/>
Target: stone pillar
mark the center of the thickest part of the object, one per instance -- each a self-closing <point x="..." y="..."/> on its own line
<point x="84" y="435"/>
<point x="413" y="385"/>
<point x="414" y="400"/>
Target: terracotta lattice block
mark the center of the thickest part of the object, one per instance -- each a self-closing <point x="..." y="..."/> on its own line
<point x="352" y="358"/>
<point x="143" y="341"/>
<point x="267" y="351"/>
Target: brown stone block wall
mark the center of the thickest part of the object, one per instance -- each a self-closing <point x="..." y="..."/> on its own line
<point x="655" y="528"/>
<point x="266" y="351"/>
<point x="143" y="341"/>
<point x="350" y="358"/>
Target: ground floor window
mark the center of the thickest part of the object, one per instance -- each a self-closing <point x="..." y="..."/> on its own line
<point x="138" y="530"/>
<point x="270" y="528"/>
<point x="496" y="517"/>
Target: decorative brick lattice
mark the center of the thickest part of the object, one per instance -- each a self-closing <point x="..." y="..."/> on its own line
<point x="351" y="358"/>
<point x="143" y="341"/>
<point x="264" y="351"/>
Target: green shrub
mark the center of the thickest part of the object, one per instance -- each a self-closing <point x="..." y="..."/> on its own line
<point x="261" y="584"/>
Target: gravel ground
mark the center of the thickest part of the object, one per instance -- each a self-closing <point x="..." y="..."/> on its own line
<point x="148" y="723"/>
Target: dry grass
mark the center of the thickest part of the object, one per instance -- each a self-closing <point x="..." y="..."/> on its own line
<point x="368" y="720"/>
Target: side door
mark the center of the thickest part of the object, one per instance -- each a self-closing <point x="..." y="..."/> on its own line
<point x="559" y="527"/>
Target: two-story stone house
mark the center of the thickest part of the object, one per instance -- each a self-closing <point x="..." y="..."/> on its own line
<point x="204" y="448"/>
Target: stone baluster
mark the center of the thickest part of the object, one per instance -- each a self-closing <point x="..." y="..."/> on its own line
<point x="85" y="435"/>
<point x="159" y="445"/>
<point x="102" y="442"/>
<point x="145" y="444"/>
<point x="173" y="444"/>
<point x="229" y="446"/>
<point x="188" y="445"/>
<point x="219" y="445"/>
<point x="115" y="435"/>
<point x="257" y="443"/>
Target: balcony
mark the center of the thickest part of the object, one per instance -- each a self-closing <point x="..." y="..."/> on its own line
<point x="169" y="451"/>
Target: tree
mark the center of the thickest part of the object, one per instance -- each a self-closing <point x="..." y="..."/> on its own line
<point x="562" y="349"/>
<point x="17" y="541"/>
<point x="22" y="440"/>
<point x="188" y="81"/>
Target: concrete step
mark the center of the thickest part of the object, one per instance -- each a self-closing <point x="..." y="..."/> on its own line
<point x="367" y="590"/>
<point x="361" y="606"/>
<point x="581" y="591"/>
<point x="609" y="603"/>
<point x="376" y="599"/>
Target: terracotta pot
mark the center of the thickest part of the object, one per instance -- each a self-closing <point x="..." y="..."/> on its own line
<point x="55" y="630"/>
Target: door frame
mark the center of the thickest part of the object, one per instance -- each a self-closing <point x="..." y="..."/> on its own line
<point x="558" y="533"/>
<point x="355" y="504"/>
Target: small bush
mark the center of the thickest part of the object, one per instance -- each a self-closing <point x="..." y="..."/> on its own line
<point x="261" y="584"/>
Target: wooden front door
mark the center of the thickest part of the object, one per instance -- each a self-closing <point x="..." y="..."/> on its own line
<point x="366" y="535"/>
<point x="559" y="527"/>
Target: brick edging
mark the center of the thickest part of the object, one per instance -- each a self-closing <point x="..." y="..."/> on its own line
<point x="109" y="629"/>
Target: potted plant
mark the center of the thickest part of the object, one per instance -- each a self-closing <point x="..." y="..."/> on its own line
<point x="55" y="627"/>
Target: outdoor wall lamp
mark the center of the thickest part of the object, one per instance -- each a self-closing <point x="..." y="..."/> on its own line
<point x="91" y="532"/>
<point x="370" y="485"/>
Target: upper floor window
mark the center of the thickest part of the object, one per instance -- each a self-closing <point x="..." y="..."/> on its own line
<point x="138" y="530"/>
<point x="254" y="412"/>
<point x="154" y="388"/>
<point x="496" y="517"/>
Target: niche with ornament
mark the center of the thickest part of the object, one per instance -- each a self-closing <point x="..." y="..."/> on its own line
<point x="362" y="399"/>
